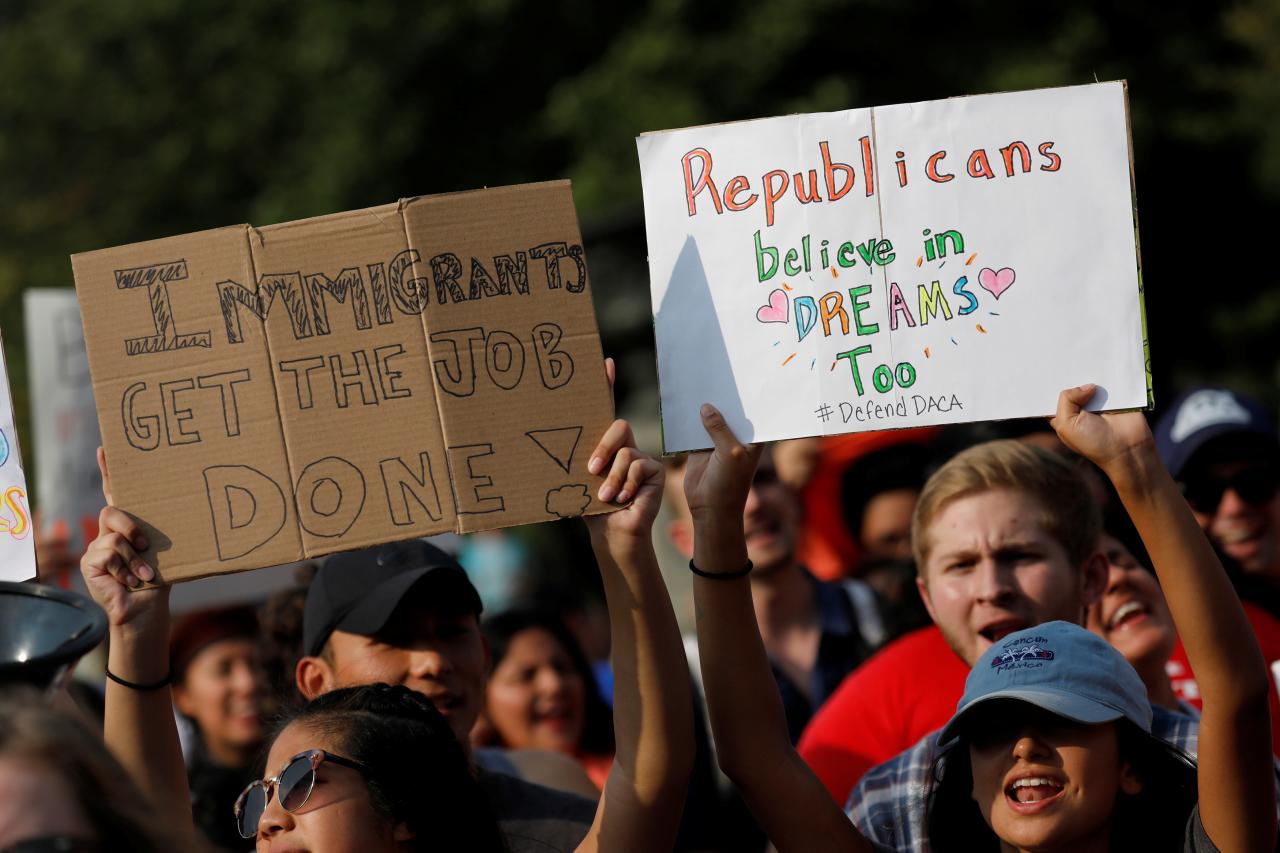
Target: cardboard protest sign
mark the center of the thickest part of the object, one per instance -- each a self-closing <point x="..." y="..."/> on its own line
<point x="899" y="266"/>
<point x="17" y="542"/>
<point x="278" y="393"/>
<point x="63" y="418"/>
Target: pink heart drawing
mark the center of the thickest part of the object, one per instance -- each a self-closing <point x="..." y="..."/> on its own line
<point x="777" y="311"/>
<point x="994" y="282"/>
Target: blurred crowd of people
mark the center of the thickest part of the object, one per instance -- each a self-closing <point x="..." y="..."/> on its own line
<point x="907" y="640"/>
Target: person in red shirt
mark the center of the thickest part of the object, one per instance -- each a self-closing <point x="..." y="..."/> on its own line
<point x="1266" y="628"/>
<point x="906" y="690"/>
<point x="911" y="687"/>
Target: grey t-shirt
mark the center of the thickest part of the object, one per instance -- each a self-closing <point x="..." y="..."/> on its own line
<point x="1197" y="840"/>
<point x="535" y="818"/>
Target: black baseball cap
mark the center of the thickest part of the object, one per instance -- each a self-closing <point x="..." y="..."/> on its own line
<point x="357" y="591"/>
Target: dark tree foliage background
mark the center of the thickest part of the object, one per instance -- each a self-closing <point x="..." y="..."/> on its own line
<point x="127" y="121"/>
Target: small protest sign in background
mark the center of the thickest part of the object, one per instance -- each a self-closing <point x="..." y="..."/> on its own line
<point x="909" y="265"/>
<point x="278" y="393"/>
<point x="17" y="539"/>
<point x="63" y="419"/>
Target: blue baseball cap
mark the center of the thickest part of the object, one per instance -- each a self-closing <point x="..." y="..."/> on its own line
<point x="1203" y="414"/>
<point x="1061" y="668"/>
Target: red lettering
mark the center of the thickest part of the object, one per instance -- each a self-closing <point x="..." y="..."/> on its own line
<point x="812" y="195"/>
<point x="773" y="192"/>
<point x="931" y="168"/>
<point x="829" y="170"/>
<point x="736" y="186"/>
<point x="1055" y="162"/>
<point x="979" y="166"/>
<point x="1023" y="154"/>
<point x="868" y="165"/>
<point x="704" y="180"/>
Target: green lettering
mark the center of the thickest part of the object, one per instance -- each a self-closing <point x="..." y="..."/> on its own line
<point x="859" y="305"/>
<point x="852" y="357"/>
<point x="847" y="256"/>
<point x="762" y="252"/>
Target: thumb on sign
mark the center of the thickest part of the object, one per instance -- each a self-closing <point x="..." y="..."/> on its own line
<point x="106" y="478"/>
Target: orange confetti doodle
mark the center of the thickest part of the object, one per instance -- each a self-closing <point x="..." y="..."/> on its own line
<point x="834" y="274"/>
<point x="793" y="355"/>
<point x="786" y="286"/>
<point x="971" y="257"/>
<point x="926" y="352"/>
<point x="833" y="365"/>
<point x="919" y="260"/>
<point x="978" y="326"/>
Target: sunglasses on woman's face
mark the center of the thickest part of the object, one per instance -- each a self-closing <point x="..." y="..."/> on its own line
<point x="293" y="787"/>
<point x="1255" y="485"/>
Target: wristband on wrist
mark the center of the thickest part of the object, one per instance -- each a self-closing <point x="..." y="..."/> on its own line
<point x="164" y="682"/>
<point x="722" y="576"/>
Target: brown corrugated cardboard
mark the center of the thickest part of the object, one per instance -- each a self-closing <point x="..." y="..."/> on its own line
<point x="269" y="394"/>
<point x="515" y="349"/>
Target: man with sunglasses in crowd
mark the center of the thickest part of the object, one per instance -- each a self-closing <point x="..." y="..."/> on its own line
<point x="1223" y="449"/>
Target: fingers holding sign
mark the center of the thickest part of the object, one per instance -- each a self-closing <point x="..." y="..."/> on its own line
<point x="629" y="475"/>
<point x="719" y="480"/>
<point x="117" y="550"/>
<point x="1107" y="440"/>
<point x="113" y="563"/>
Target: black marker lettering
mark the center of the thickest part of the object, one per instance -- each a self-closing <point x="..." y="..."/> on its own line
<point x="155" y="278"/>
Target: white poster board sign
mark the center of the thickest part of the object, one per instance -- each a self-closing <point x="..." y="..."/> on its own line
<point x="63" y="417"/>
<point x="17" y="542"/>
<point x="910" y="265"/>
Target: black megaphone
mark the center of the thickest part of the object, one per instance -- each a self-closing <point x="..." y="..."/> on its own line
<point x="43" y="632"/>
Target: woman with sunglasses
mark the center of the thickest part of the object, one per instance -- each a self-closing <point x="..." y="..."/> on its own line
<point x="371" y="761"/>
<point x="333" y="789"/>
<point x="1042" y="774"/>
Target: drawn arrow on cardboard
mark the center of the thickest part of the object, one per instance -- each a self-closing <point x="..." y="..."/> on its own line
<point x="559" y="444"/>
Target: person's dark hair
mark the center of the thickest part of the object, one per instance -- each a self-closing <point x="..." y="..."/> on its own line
<point x="1153" y="819"/>
<point x="500" y="630"/>
<point x="280" y="644"/>
<point x="121" y="816"/>
<point x="899" y="466"/>
<point x="1117" y="524"/>
<point x="194" y="632"/>
<point x="415" y="769"/>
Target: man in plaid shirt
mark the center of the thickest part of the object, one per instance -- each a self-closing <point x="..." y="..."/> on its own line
<point x="1004" y="538"/>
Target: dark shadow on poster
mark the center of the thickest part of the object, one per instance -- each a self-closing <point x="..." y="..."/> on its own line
<point x="693" y="357"/>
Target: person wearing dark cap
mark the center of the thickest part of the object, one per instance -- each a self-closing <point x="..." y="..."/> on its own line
<point x="406" y="613"/>
<point x="1222" y="448"/>
<point x="217" y="687"/>
<point x="402" y="613"/>
<point x="424" y="637"/>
